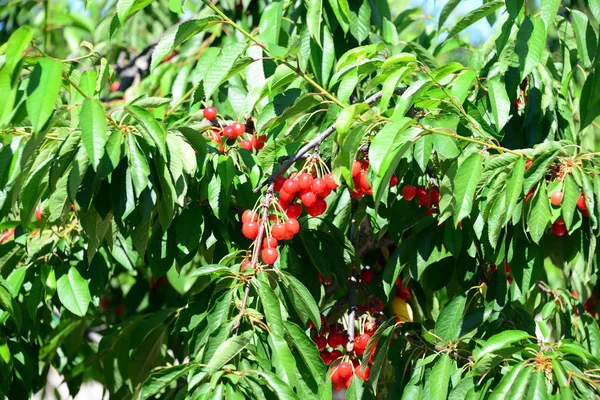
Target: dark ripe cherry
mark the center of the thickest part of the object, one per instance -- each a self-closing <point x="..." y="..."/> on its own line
<point x="283" y="204"/>
<point x="292" y="226"/>
<point x="239" y="129"/>
<point x="305" y="180"/>
<point x="229" y="132"/>
<point x="291" y="186"/>
<point x="321" y="342"/>
<point x="250" y="230"/>
<point x="559" y="229"/>
<point x="246" y="144"/>
<point x="285" y="195"/>
<point x="278" y="184"/>
<point x="260" y="142"/>
<point x="421" y="192"/>
<point x="367" y="275"/>
<point x="279" y="231"/>
<point x="409" y="192"/>
<point x="325" y="356"/>
<point x="331" y="184"/>
<point x="318" y="186"/>
<point x="393" y="180"/>
<point x="318" y="208"/>
<point x="581" y="203"/>
<point x="269" y="256"/>
<point x="335" y="339"/>
<point x="210" y="113"/>
<point x="335" y="354"/>
<point x="294" y="211"/>
<point x="424" y="201"/>
<point x="308" y="198"/>
<point x="434" y="196"/>
<point x="269" y="243"/>
<point x="356" y="167"/>
<point x="249" y="216"/>
<point x="345" y="370"/>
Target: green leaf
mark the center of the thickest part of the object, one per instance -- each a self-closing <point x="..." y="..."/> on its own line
<point x="176" y="37"/>
<point x="474" y="16"/>
<point x="540" y="214"/>
<point x="514" y="188"/>
<point x="360" y="24"/>
<point x="571" y="193"/>
<point x="594" y="6"/>
<point x="347" y="117"/>
<point x="138" y="165"/>
<point x="209" y="269"/>
<point x="308" y="351"/>
<point x="498" y="342"/>
<point x="127" y="8"/>
<point x="17" y="43"/>
<point x="500" y="103"/>
<point x="42" y="91"/>
<point x="548" y="12"/>
<point x="144" y="358"/>
<point x="441" y="372"/>
<point x="151" y="127"/>
<point x="302" y="300"/>
<point x="220" y="68"/>
<point x="159" y="380"/>
<point x="270" y="303"/>
<point x="93" y="130"/>
<point x="449" y="322"/>
<point x="10" y="304"/>
<point x="503" y="389"/>
<point x="279" y="388"/>
<point x="73" y="292"/>
<point x="270" y="23"/>
<point x="229" y="349"/>
<point x="589" y="103"/>
<point x="465" y="182"/>
<point x="314" y="19"/>
<point x="446" y="11"/>
<point x="537" y="387"/>
<point x="587" y="41"/>
<point x="531" y="41"/>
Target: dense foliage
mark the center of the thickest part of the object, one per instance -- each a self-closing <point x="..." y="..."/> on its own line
<point x="275" y="199"/>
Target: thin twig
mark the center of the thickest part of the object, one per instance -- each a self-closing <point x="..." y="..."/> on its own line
<point x="261" y="232"/>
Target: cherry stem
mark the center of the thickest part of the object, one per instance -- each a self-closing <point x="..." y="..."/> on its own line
<point x="261" y="232"/>
<point x="315" y="143"/>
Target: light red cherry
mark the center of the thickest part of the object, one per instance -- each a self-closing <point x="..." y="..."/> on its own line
<point x="246" y="144"/>
<point x="556" y="198"/>
<point x="269" y="256"/>
<point x="356" y="167"/>
<point x="285" y="195"/>
<point x="409" y="192"/>
<point x="210" y="113"/>
<point x="363" y="374"/>
<point x="279" y="231"/>
<point x="291" y="186"/>
<point x="249" y="216"/>
<point x="292" y="226"/>
<point x="360" y="343"/>
<point x="294" y="211"/>
<point x="331" y="184"/>
<point x="305" y="180"/>
<point x="250" y="230"/>
<point x="308" y="198"/>
<point x="319" y="186"/>
<point x="581" y="203"/>
<point x="345" y="370"/>
<point x="239" y="129"/>
<point x="269" y="243"/>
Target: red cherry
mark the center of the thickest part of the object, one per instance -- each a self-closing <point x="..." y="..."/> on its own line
<point x="305" y="180"/>
<point x="258" y="142"/>
<point x="363" y="180"/>
<point x="250" y="230"/>
<point x="319" y="186"/>
<point x="409" y="192"/>
<point x="210" y="113"/>
<point x="246" y="144"/>
<point x="229" y="132"/>
<point x="367" y="275"/>
<point x="331" y="184"/>
<point x="357" y="194"/>
<point x="245" y="264"/>
<point x="434" y="196"/>
<point x="393" y="180"/>
<point x="556" y="198"/>
<point x="115" y="86"/>
<point x="269" y="243"/>
<point x="335" y="376"/>
<point x="559" y="229"/>
<point x="344" y="370"/>
<point x="38" y="214"/>
<point x="292" y="226"/>
<point x="249" y="216"/>
<point x="104" y="303"/>
<point x="279" y="231"/>
<point x="269" y="256"/>
<point x="529" y="194"/>
<point x="335" y="354"/>
<point x="278" y="184"/>
<point x="356" y="167"/>
<point x="337" y="386"/>
<point x="321" y="342"/>
<point x="325" y="356"/>
<point x="239" y="129"/>
<point x="318" y="208"/>
<point x="421" y="192"/>
<point x="291" y="186"/>
<point x="283" y="204"/>
<point x="119" y="310"/>
<point x="363" y="374"/>
<point x="424" y="201"/>
<point x="294" y="211"/>
<point x="528" y="164"/>
<point x="285" y="195"/>
<point x="360" y="343"/>
<point x="581" y="203"/>
<point x="334" y="340"/>
<point x="370" y="327"/>
<point x="308" y="198"/>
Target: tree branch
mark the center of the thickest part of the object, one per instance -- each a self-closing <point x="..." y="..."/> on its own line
<point x="316" y="142"/>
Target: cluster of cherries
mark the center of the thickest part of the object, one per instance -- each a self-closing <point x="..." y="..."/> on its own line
<point x="344" y="366"/>
<point x="427" y="197"/>
<point x="558" y="227"/>
<point x="231" y="132"/>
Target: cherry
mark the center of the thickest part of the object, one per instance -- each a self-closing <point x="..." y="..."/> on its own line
<point x="367" y="275"/>
<point x="360" y="343"/>
<point x="305" y="180"/>
<point x="319" y="186"/>
<point x="318" y="208"/>
<point x="292" y="226"/>
<point x="294" y="211"/>
<point x="363" y="180"/>
<point x="245" y="264"/>
<point x="559" y="229"/>
<point x="285" y="195"/>
<point x="119" y="310"/>
<point x="356" y="167"/>
<point x="344" y="370"/>
<point x="325" y="356"/>
<point x="279" y="231"/>
<point x="370" y="327"/>
<point x="393" y="181"/>
<point x="363" y="374"/>
<point x="115" y="86"/>
<point x="38" y="214"/>
<point x="258" y="142"/>
<point x="529" y="194"/>
<point x="269" y="256"/>
<point x="581" y="203"/>
<point x="249" y="216"/>
<point x="278" y="184"/>
<point x="556" y="198"/>
<point x="283" y="204"/>
<point x="229" y="132"/>
<point x="331" y="184"/>
<point x="528" y="164"/>
<point x="434" y="196"/>
<point x="104" y="303"/>
<point x="250" y="230"/>
<point x="291" y="186"/>
<point x="210" y="113"/>
<point x="424" y="201"/>
<point x="409" y="192"/>
<point x="335" y="354"/>
<point x="308" y="198"/>
<point x="335" y="376"/>
<point x="357" y="194"/>
<point x="239" y="129"/>
<point x="269" y="243"/>
<point x="335" y="339"/>
<point x="246" y="144"/>
<point x="421" y="192"/>
<point x="321" y="342"/>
